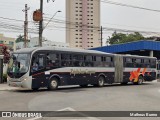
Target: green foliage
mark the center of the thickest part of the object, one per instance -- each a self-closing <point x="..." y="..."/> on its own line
<point x="118" y="38"/>
<point x="20" y="39"/>
<point x="6" y="54"/>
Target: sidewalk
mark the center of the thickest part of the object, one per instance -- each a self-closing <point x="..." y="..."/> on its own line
<point x="5" y="87"/>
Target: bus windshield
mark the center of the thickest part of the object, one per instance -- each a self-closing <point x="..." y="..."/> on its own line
<point x="18" y="65"/>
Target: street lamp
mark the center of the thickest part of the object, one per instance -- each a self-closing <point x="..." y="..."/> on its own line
<point x="42" y="28"/>
<point x="51" y="19"/>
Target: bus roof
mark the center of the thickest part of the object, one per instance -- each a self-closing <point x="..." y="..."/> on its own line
<point x="27" y="50"/>
<point x="34" y="49"/>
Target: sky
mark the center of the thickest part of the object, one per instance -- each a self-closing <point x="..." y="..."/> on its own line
<point x="112" y="16"/>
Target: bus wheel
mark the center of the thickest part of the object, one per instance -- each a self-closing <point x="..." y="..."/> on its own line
<point x="100" y="81"/>
<point x="140" y="80"/>
<point x="53" y="85"/>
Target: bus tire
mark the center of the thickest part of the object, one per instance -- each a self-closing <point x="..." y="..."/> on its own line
<point x="140" y="80"/>
<point x="100" y="81"/>
<point x="53" y="84"/>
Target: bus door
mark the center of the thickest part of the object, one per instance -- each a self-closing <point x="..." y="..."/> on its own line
<point x="38" y="70"/>
<point x="118" y="77"/>
<point x="158" y="69"/>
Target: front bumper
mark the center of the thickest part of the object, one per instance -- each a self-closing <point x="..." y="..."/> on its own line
<point x="14" y="84"/>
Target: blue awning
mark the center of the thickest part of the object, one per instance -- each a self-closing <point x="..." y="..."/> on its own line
<point x="132" y="46"/>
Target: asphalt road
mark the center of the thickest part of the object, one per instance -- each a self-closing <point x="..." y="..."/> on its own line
<point x="115" y="97"/>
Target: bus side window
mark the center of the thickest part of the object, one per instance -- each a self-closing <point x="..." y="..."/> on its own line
<point x="147" y="63"/>
<point x="34" y="64"/>
<point x="88" y="61"/>
<point x="108" y="62"/>
<point x="128" y="62"/>
<point x="77" y="60"/>
<point x="98" y="61"/>
<point x="66" y="60"/>
<point x="41" y="63"/>
<point x="153" y="63"/>
<point x="138" y="62"/>
<point x="52" y="60"/>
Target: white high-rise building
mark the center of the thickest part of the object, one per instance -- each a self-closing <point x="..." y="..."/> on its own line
<point x="83" y="23"/>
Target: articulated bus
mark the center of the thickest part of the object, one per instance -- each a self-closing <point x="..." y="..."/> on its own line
<point x="51" y="67"/>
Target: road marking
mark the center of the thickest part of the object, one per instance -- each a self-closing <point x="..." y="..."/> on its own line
<point x="159" y="90"/>
<point x="70" y="109"/>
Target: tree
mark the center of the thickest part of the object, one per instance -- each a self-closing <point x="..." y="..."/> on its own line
<point x="6" y="54"/>
<point x="20" y="39"/>
<point x="118" y="38"/>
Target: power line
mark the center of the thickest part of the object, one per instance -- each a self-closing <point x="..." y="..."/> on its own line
<point x="127" y="5"/>
<point x="97" y="27"/>
<point x="10" y="26"/>
<point x="11" y="19"/>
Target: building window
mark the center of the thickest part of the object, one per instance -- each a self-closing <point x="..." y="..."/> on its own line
<point x="11" y="43"/>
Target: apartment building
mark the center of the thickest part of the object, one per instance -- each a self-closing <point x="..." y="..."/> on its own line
<point x="83" y="23"/>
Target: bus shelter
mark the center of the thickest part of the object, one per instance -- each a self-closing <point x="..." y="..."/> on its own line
<point x="143" y="48"/>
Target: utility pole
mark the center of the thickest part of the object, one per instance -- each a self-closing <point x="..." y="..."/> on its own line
<point x="41" y="24"/>
<point x="26" y="26"/>
<point x="101" y="36"/>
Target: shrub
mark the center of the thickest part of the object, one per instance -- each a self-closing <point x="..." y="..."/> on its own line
<point x="4" y="77"/>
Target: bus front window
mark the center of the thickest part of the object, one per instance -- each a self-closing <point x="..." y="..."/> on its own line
<point x="18" y="65"/>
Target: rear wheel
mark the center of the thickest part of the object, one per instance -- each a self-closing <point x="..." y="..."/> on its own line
<point x="140" y="80"/>
<point x="100" y="81"/>
<point x="53" y="85"/>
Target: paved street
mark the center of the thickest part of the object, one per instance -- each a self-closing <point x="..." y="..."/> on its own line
<point x="115" y="97"/>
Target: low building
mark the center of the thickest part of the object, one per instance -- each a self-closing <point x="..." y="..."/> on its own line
<point x="55" y="44"/>
<point x="34" y="42"/>
<point x="8" y="41"/>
